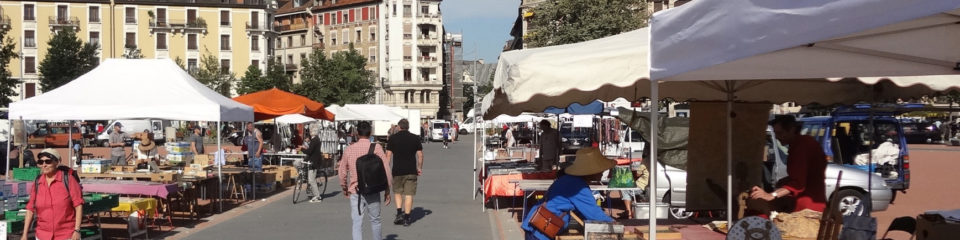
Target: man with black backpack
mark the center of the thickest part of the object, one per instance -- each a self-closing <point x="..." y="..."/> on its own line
<point x="363" y="177"/>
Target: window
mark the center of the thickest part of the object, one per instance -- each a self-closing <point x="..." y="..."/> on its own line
<point x="424" y="10"/>
<point x="406" y="11"/>
<point x="346" y="36"/>
<point x="408" y="96"/>
<point x="28" y="13"/>
<point x="255" y="43"/>
<point x="224" y="66"/>
<point x="31" y="89"/>
<point x="224" y="18"/>
<point x="192" y="41"/>
<point x="303" y="40"/>
<point x="346" y="17"/>
<point x="255" y="63"/>
<point x="94" y="38"/>
<point x="333" y="38"/>
<point x="192" y="64"/>
<point x="290" y="59"/>
<point x="425" y="75"/>
<point x="131" y="41"/>
<point x="94" y="15"/>
<point x="192" y="17"/>
<point x="131" y="15"/>
<point x="162" y="16"/>
<point x="303" y="57"/>
<point x="279" y="43"/>
<point x="407" y="75"/>
<point x="394" y="10"/>
<point x="62" y="14"/>
<point x="254" y="20"/>
<point x="423" y="95"/>
<point x="162" y="41"/>
<point x="224" y="42"/>
<point x="373" y="34"/>
<point x="30" y="64"/>
<point x="29" y="39"/>
<point x="359" y="36"/>
<point x="373" y="54"/>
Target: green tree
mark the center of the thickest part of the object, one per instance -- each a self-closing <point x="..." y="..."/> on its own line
<point x="557" y="22"/>
<point x="67" y="58"/>
<point x="339" y="79"/>
<point x="211" y="74"/>
<point x="277" y="76"/>
<point x="7" y="82"/>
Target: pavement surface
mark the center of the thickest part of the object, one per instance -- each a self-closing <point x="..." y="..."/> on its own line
<point x="443" y="209"/>
<point x="934" y="173"/>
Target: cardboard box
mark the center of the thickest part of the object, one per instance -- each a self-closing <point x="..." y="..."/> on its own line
<point x="95" y="166"/>
<point x="180" y="157"/>
<point x="935" y="227"/>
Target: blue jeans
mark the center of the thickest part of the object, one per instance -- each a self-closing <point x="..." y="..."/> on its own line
<point x="371" y="202"/>
<point x="256" y="164"/>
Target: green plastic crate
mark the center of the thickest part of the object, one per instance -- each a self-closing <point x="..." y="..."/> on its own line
<point x="14" y="215"/>
<point x="26" y="174"/>
<point x="14" y="226"/>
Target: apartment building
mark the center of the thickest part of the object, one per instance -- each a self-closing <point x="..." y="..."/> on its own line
<point x="236" y="32"/>
<point x="295" y="25"/>
<point x="345" y="23"/>
<point x="412" y="50"/>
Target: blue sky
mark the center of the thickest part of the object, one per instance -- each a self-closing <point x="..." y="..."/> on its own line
<point x="485" y="25"/>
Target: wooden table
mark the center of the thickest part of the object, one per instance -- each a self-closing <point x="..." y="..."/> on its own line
<point x="163" y="177"/>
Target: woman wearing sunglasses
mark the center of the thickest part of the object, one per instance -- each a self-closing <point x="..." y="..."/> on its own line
<point x="56" y="201"/>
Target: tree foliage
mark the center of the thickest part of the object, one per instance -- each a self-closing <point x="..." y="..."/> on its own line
<point x="277" y="76"/>
<point x="340" y="79"/>
<point x="254" y="79"/>
<point x="211" y="74"/>
<point x="7" y="82"/>
<point x="67" y="58"/>
<point x="557" y="22"/>
<point x="132" y="52"/>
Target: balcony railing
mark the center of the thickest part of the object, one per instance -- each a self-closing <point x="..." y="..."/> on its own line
<point x="407" y="36"/>
<point x="30" y="42"/>
<point x="290" y="27"/>
<point x="160" y="24"/>
<point x="64" y="22"/>
<point x="290" y="67"/>
<point x="257" y="26"/>
<point x="427" y="59"/>
<point x="4" y="22"/>
<point x="407" y="58"/>
<point x="130" y="20"/>
<point x="198" y="2"/>
<point x="94" y="19"/>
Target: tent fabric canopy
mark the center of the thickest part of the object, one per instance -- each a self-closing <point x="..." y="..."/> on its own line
<point x="595" y="107"/>
<point x="274" y="103"/>
<point x="367" y="112"/>
<point x="295" y="119"/>
<point x="132" y="89"/>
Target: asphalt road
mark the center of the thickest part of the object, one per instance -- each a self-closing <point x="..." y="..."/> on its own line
<point x="443" y="209"/>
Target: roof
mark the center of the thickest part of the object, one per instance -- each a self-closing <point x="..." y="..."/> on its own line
<point x="287" y="6"/>
<point x="329" y="4"/>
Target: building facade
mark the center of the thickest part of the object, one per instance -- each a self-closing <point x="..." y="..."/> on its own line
<point x="342" y="24"/>
<point x="411" y="66"/>
<point x="294" y="24"/>
<point x="236" y="32"/>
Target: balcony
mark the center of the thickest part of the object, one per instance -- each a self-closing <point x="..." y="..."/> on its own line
<point x="427" y="59"/>
<point x="198" y="25"/>
<point x="428" y="40"/>
<point x="318" y="45"/>
<point x="291" y="27"/>
<point x="160" y="24"/>
<point x="291" y="67"/>
<point x="30" y="42"/>
<point x="257" y="28"/>
<point x="64" y="22"/>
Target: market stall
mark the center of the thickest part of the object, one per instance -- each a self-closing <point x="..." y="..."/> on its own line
<point x="775" y="48"/>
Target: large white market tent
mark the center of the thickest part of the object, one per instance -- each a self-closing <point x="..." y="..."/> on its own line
<point x="133" y="89"/>
<point x="366" y="112"/>
<point x="295" y="118"/>
<point x="894" y="47"/>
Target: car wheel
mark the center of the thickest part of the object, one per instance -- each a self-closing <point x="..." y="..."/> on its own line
<point x="680" y="213"/>
<point x="850" y="202"/>
<point x="463" y="132"/>
<point x="104" y="143"/>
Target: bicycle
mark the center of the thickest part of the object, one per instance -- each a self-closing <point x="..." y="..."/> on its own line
<point x="302" y="183"/>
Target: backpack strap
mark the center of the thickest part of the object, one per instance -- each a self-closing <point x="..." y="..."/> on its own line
<point x="373" y="146"/>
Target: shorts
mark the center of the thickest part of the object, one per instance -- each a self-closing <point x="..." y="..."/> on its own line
<point x="405" y="184"/>
<point x="627" y="195"/>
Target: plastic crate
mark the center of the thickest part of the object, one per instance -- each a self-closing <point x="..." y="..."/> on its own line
<point x="14" y="215"/>
<point x="26" y="174"/>
<point x="14" y="226"/>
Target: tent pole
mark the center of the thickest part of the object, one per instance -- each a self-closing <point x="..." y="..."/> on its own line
<point x="69" y="143"/>
<point x="219" y="169"/>
<point x="654" y="138"/>
<point x="729" y="118"/>
<point x="9" y="139"/>
<point x="473" y="190"/>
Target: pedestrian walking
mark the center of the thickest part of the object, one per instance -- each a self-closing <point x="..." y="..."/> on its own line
<point x="253" y="140"/>
<point x="116" y="144"/>
<point x="354" y="189"/>
<point x="549" y="146"/>
<point x="314" y="156"/>
<point x="407" y="156"/>
<point x="446" y="135"/>
<point x="56" y="201"/>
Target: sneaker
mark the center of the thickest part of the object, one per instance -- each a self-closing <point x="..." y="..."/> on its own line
<point x="316" y="200"/>
<point x="406" y="220"/>
<point x="399" y="220"/>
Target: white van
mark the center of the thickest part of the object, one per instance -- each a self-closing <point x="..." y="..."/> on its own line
<point x="133" y="126"/>
<point x="436" y="130"/>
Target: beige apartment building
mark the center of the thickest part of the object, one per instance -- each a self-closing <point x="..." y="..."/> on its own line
<point x="236" y="32"/>
<point x="294" y="24"/>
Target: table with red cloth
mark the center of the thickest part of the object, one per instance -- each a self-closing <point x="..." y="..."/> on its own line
<point x="506" y="186"/>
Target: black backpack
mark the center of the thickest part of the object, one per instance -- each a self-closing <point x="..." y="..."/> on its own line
<point x="371" y="174"/>
<point x="67" y="173"/>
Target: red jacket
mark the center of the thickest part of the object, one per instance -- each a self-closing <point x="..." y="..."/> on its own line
<point x="806" y="171"/>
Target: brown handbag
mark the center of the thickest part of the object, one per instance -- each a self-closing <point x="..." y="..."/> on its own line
<point x="547" y="222"/>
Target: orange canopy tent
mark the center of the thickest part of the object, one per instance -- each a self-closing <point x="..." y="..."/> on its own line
<point x="268" y="104"/>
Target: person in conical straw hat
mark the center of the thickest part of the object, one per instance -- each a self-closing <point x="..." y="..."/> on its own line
<point x="572" y="192"/>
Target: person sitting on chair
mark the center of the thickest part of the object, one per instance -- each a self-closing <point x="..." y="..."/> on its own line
<point x="147" y="150"/>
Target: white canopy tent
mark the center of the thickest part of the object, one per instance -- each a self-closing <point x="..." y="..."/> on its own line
<point x="366" y="112"/>
<point x="809" y="46"/>
<point x="295" y="118"/>
<point x="133" y="89"/>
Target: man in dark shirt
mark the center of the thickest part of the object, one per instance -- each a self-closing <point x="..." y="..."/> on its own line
<point x="314" y="157"/>
<point x="406" y="152"/>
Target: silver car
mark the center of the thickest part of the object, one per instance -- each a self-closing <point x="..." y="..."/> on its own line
<point x="851" y="192"/>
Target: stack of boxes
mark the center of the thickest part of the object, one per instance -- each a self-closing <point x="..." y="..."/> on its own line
<point x="94" y="166"/>
<point x="178" y="152"/>
<point x="13" y="203"/>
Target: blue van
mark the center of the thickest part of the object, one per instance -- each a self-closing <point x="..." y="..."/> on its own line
<point x="855" y="136"/>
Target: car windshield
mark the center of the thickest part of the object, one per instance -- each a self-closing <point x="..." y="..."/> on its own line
<point x="439" y="125"/>
<point x="567" y="130"/>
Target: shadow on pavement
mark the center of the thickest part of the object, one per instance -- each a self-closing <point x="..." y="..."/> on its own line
<point x="419" y="213"/>
<point x="391" y="237"/>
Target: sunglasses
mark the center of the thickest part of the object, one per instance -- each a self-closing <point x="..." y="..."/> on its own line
<point x="47" y="161"/>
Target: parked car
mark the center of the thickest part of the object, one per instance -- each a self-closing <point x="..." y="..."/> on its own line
<point x="55" y="135"/>
<point x="851" y="192"/>
<point x="921" y="132"/>
<point x="436" y="130"/>
<point x="575" y="138"/>
<point x="468" y="127"/>
<point x="129" y="127"/>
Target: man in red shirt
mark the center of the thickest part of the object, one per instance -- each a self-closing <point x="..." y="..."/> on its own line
<point x="58" y="216"/>
<point x="806" y="166"/>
